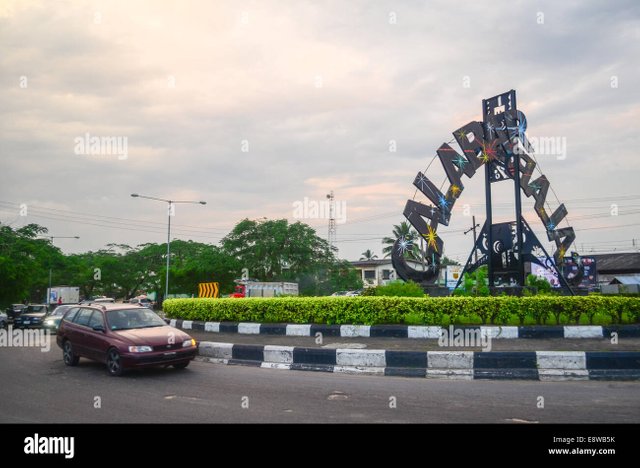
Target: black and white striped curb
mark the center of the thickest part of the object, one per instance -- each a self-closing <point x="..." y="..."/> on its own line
<point x="534" y="365"/>
<point x="408" y="331"/>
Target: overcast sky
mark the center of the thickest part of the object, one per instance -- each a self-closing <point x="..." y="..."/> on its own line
<point x="253" y="106"/>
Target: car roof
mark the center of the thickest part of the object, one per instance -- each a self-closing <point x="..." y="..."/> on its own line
<point x="106" y="306"/>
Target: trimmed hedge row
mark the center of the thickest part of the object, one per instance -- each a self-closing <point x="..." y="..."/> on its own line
<point x="501" y="310"/>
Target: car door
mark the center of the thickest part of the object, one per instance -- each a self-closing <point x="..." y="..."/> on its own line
<point x="78" y="332"/>
<point x="97" y="341"/>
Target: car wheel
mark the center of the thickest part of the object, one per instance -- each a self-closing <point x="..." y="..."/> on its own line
<point x="114" y="362"/>
<point x="69" y="357"/>
<point x="181" y="365"/>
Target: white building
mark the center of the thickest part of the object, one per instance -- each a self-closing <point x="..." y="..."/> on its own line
<point x="375" y="272"/>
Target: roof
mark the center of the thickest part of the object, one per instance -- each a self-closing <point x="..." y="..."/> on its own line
<point x="375" y="262"/>
<point x="631" y="279"/>
<point x="618" y="262"/>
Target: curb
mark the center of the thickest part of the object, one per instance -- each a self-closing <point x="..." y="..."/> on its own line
<point x="409" y="331"/>
<point x="465" y="365"/>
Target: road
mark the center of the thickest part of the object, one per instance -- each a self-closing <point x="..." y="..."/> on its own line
<point x="38" y="388"/>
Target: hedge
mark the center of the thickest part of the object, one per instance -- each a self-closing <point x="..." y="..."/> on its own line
<point x="501" y="310"/>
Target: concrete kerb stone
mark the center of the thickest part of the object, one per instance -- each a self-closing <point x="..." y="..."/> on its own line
<point x="540" y="365"/>
<point x="410" y="331"/>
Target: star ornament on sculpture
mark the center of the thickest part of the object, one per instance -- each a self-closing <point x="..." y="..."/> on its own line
<point x="462" y="135"/>
<point x="561" y="252"/>
<point x="489" y="128"/>
<point x="404" y="245"/>
<point x="455" y="190"/>
<point x="551" y="226"/>
<point x="422" y="180"/>
<point x="460" y="161"/>
<point x="488" y="153"/>
<point x="431" y="238"/>
<point x="444" y="204"/>
<point x="535" y="186"/>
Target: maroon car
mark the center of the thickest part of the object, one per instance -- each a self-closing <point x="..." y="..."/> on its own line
<point x="122" y="336"/>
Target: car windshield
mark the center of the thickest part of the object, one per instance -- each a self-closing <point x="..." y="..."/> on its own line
<point x="32" y="308"/>
<point x="59" y="311"/>
<point x="127" y="319"/>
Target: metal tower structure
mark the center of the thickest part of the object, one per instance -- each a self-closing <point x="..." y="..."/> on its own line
<point x="331" y="238"/>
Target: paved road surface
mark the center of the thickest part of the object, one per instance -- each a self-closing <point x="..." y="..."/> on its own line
<point x="37" y="387"/>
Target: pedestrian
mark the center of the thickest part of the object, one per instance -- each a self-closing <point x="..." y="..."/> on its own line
<point x="60" y="300"/>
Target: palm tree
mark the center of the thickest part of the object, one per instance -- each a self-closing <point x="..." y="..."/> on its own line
<point x="404" y="230"/>
<point x="368" y="255"/>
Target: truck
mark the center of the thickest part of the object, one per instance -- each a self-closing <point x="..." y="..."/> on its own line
<point x="248" y="288"/>
<point x="63" y="295"/>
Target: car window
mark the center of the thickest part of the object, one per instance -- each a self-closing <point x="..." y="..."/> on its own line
<point x="83" y="317"/>
<point x="59" y="311"/>
<point x="96" y="319"/>
<point x="69" y="316"/>
<point x="133" y="318"/>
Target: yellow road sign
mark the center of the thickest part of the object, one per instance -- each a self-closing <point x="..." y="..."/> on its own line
<point x="208" y="290"/>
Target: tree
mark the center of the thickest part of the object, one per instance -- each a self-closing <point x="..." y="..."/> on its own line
<point x="368" y="255"/>
<point x="276" y="250"/>
<point x="446" y="261"/>
<point x="474" y="284"/>
<point x="406" y="231"/>
<point x="25" y="260"/>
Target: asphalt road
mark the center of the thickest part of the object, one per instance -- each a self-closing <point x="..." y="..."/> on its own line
<point x="37" y="387"/>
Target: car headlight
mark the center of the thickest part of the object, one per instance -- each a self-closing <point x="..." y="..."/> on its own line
<point x="48" y="322"/>
<point x="188" y="343"/>
<point x="140" y="349"/>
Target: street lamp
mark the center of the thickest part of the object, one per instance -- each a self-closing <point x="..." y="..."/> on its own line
<point x="170" y="203"/>
<point x="51" y="238"/>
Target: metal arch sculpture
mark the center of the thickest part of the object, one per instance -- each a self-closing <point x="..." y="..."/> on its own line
<point x="498" y="143"/>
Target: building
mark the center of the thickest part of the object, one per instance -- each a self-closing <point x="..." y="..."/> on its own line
<point x="375" y="272"/>
<point x="380" y="272"/>
<point x="617" y="265"/>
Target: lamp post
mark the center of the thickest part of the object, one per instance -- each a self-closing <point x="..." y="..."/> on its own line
<point x="169" y="214"/>
<point x="51" y="238"/>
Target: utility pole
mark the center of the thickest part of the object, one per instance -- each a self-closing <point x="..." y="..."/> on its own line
<point x="170" y="213"/>
<point x="473" y="228"/>
<point x="331" y="238"/>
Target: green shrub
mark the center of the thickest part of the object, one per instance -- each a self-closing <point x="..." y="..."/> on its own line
<point x="400" y="289"/>
<point x="500" y="310"/>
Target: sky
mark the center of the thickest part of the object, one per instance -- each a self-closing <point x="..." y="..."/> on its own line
<point x="257" y="106"/>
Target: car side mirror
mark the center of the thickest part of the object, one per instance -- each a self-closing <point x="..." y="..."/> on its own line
<point x="98" y="328"/>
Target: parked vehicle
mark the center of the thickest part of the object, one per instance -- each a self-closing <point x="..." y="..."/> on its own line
<point x="4" y="320"/>
<point x="64" y="295"/>
<point x="99" y="300"/>
<point x="52" y="321"/>
<point x="143" y="301"/>
<point x="123" y="337"/>
<point x="32" y="317"/>
<point x="248" y="288"/>
<point x="14" y="311"/>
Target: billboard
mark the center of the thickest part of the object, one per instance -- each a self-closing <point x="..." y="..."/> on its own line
<point x="453" y="275"/>
<point x="589" y="279"/>
<point x="570" y="269"/>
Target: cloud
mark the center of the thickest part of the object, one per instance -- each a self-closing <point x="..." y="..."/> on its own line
<point x="253" y="105"/>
